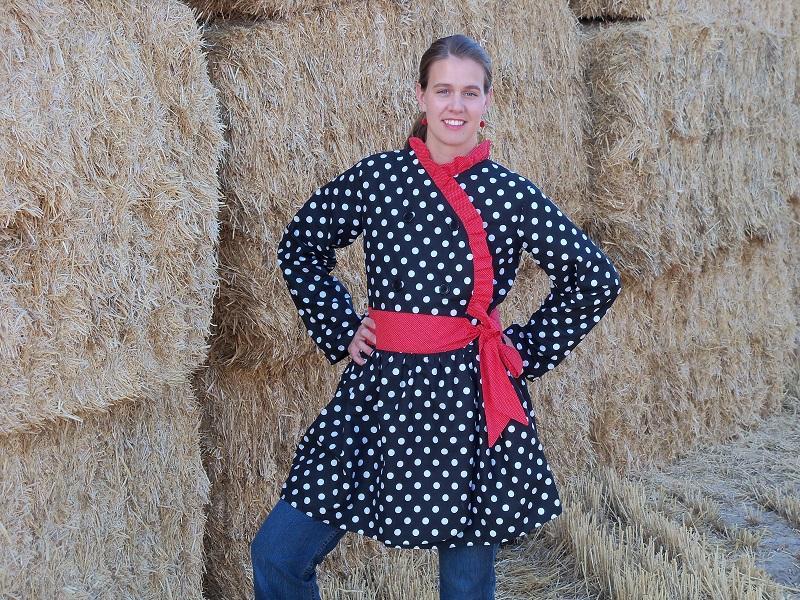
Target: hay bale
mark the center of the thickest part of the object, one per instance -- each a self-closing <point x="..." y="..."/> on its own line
<point x="708" y="355"/>
<point x="110" y="507"/>
<point x="300" y="113"/>
<point x="777" y="15"/>
<point x="693" y="140"/>
<point x="793" y="377"/>
<point x="108" y="216"/>
<point x="259" y="9"/>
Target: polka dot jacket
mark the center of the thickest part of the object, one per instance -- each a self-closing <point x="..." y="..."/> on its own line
<point x="397" y="454"/>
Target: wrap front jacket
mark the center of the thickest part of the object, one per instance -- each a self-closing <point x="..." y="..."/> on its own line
<point x="403" y="452"/>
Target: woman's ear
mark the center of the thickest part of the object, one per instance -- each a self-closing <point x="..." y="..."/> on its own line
<point x="420" y="97"/>
<point x="489" y="99"/>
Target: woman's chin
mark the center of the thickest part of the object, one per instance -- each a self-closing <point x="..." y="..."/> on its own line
<point x="456" y="137"/>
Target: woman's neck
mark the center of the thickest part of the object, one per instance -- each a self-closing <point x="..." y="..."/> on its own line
<point x="444" y="153"/>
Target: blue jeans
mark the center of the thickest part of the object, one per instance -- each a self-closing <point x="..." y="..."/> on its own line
<point x="290" y="544"/>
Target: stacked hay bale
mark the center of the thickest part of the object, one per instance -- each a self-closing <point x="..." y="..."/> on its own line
<point x="302" y="106"/>
<point x="693" y="151"/>
<point x="108" y="227"/>
<point x="109" y="506"/>
<point x="690" y="149"/>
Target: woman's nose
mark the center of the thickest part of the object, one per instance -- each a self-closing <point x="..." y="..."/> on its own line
<point x="456" y="102"/>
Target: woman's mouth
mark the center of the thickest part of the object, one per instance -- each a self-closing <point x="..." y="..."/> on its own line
<point x="454" y="123"/>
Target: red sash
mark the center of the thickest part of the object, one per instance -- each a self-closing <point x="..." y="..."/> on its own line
<point x="426" y="334"/>
<point x="420" y="333"/>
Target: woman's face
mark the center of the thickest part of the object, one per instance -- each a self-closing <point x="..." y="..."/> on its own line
<point x="454" y="102"/>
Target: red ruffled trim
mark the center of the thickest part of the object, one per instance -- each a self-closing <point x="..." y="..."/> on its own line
<point x="443" y="177"/>
<point x="460" y="163"/>
<point x="500" y="400"/>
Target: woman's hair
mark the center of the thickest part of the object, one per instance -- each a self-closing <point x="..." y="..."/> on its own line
<point x="458" y="45"/>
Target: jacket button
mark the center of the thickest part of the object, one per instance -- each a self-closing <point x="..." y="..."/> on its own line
<point x="398" y="284"/>
<point x="409" y="216"/>
<point x="443" y="289"/>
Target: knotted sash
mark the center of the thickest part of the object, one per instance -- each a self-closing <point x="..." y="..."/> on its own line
<point x="422" y="333"/>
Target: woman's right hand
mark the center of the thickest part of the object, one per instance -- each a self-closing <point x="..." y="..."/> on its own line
<point x="363" y="341"/>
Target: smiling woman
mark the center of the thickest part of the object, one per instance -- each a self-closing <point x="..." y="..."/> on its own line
<point x="454" y="91"/>
<point x="430" y="440"/>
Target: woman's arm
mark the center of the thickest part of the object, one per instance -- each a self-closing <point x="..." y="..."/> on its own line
<point x="584" y="285"/>
<point x="331" y="218"/>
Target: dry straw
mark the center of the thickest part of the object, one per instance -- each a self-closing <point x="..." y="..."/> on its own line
<point x="302" y="106"/>
<point x="702" y="355"/>
<point x="794" y="271"/>
<point x="693" y="145"/>
<point x="773" y="15"/>
<point x="111" y="507"/>
<point x="259" y="9"/>
<point x="624" y="547"/>
<point x="109" y="141"/>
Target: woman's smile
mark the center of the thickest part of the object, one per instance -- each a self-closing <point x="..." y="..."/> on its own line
<point x="455" y="124"/>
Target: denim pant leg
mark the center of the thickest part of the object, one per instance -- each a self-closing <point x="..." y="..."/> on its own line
<point x="286" y="551"/>
<point x="467" y="572"/>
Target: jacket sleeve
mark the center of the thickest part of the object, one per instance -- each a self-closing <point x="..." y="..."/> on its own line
<point x="583" y="285"/>
<point x="331" y="218"/>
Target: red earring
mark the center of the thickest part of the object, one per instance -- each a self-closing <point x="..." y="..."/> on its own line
<point x="424" y="121"/>
<point x="483" y="123"/>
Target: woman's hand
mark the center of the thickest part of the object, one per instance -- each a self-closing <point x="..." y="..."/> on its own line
<point x="363" y="341"/>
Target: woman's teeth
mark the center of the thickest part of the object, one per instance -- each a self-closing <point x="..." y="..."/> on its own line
<point x="454" y="123"/>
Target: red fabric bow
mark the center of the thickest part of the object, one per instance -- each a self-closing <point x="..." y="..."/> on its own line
<point x="500" y="400"/>
<point x="424" y="334"/>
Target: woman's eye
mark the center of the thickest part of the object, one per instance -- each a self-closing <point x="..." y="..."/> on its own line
<point x="442" y="91"/>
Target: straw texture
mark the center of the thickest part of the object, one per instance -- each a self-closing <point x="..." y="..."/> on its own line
<point x="109" y="507"/>
<point x="693" y="143"/>
<point x="701" y="356"/>
<point x="777" y="16"/>
<point x="109" y="141"/>
<point x="260" y="9"/>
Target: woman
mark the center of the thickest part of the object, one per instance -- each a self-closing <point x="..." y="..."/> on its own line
<point x="430" y="440"/>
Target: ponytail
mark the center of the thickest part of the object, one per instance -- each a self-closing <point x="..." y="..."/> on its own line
<point x="418" y="130"/>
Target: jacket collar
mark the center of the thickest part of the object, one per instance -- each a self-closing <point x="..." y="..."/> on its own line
<point x="460" y="163"/>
